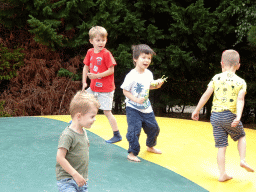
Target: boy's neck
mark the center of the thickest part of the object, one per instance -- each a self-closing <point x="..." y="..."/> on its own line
<point x="139" y="70"/>
<point x="96" y="51"/>
<point x="228" y="68"/>
<point x="76" y="127"/>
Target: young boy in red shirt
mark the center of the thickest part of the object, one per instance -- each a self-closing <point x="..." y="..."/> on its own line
<point x="99" y="68"/>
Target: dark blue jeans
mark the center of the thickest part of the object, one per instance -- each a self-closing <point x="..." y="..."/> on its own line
<point x="137" y="120"/>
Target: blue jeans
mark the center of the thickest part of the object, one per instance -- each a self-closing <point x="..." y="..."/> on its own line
<point x="137" y="120"/>
<point x="69" y="185"/>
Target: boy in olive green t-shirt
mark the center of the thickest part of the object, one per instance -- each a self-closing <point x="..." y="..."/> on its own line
<point x="73" y="148"/>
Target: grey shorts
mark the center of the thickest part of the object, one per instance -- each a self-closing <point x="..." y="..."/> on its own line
<point x="105" y="98"/>
<point x="221" y="123"/>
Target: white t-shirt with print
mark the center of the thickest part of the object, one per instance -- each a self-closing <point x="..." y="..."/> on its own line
<point x="138" y="84"/>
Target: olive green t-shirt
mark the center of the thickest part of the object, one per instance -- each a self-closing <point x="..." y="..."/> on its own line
<point x="77" y="154"/>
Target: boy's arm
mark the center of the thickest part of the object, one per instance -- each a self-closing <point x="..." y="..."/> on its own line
<point x="130" y="96"/>
<point x="85" y="72"/>
<point x="108" y="72"/>
<point x="61" y="159"/>
<point x="205" y="97"/>
<point x="239" y="108"/>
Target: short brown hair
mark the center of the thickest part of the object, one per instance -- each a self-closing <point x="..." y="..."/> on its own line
<point x="82" y="103"/>
<point x="97" y="30"/>
<point x="230" y="57"/>
<point x="141" y="48"/>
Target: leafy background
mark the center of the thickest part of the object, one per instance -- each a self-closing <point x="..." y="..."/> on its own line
<point x="43" y="43"/>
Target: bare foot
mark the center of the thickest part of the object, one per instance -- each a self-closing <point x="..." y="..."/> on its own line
<point x="224" y="178"/>
<point x="153" y="150"/>
<point x="246" y="166"/>
<point x="132" y="157"/>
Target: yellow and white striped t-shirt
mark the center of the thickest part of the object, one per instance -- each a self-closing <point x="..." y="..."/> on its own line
<point x="226" y="87"/>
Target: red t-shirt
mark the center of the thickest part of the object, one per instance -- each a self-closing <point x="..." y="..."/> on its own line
<point x="98" y="63"/>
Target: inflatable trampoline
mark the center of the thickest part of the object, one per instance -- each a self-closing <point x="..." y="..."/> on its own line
<point x="188" y="163"/>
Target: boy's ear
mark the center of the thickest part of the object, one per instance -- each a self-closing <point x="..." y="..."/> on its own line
<point x="78" y="115"/>
<point x="135" y="60"/>
<point x="222" y="64"/>
<point x="238" y="66"/>
<point x="90" y="40"/>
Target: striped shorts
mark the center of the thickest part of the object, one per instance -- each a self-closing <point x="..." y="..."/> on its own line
<point x="221" y="123"/>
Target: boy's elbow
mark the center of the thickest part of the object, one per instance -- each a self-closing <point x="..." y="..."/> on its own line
<point x="240" y="100"/>
<point x="111" y="70"/>
<point x="86" y="68"/>
<point x="57" y="158"/>
<point x="125" y="92"/>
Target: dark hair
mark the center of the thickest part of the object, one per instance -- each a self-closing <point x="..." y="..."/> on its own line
<point x="141" y="48"/>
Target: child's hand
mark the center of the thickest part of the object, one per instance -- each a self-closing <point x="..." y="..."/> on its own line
<point x="140" y="100"/>
<point x="79" y="179"/>
<point x="160" y="85"/>
<point x="195" y="115"/>
<point x="235" y="122"/>
<point x="92" y="76"/>
<point x="159" y="82"/>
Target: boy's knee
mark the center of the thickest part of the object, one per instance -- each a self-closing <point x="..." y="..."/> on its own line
<point x="240" y="138"/>
<point x="132" y="137"/>
<point x="107" y="113"/>
<point x="156" y="129"/>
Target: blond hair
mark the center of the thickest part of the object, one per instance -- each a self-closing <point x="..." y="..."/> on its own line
<point x="82" y="102"/>
<point x="97" y="30"/>
<point x="230" y="57"/>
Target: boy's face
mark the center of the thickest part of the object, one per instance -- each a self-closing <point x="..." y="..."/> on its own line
<point x="98" y="43"/>
<point x="88" y="118"/>
<point x="143" y="61"/>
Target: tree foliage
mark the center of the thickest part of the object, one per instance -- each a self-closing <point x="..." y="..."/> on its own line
<point x="246" y="14"/>
<point x="188" y="36"/>
<point x="10" y="62"/>
<point x="252" y="36"/>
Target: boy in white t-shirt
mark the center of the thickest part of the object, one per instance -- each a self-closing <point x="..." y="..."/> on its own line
<point x="139" y="111"/>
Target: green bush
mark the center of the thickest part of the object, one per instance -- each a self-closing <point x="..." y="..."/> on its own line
<point x="66" y="73"/>
<point x="3" y="113"/>
<point x="252" y="36"/>
<point x="10" y="61"/>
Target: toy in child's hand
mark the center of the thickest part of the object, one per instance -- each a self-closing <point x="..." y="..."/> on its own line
<point x="158" y="81"/>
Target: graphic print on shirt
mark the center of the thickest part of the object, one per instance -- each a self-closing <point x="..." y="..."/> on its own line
<point x="95" y="68"/>
<point x="138" y="89"/>
<point x="99" y="84"/>
<point x="227" y="86"/>
<point x="91" y="62"/>
<point x="141" y="92"/>
<point x="99" y="59"/>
